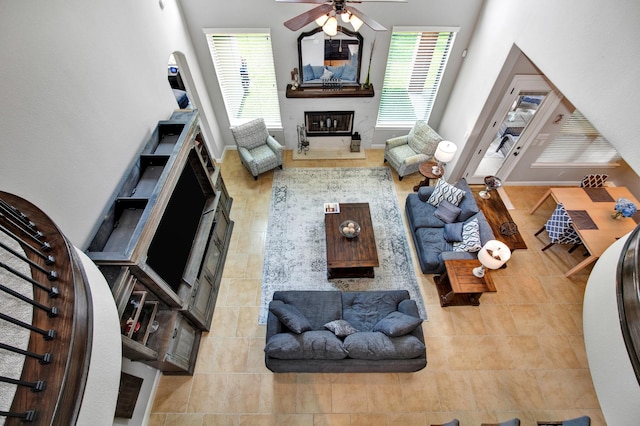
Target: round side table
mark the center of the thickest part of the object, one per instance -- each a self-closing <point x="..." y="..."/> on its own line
<point x="426" y="171"/>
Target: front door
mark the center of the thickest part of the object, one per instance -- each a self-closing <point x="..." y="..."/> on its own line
<point x="525" y="107"/>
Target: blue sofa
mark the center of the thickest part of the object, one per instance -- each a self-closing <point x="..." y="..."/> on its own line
<point x="428" y="230"/>
<point x="386" y="336"/>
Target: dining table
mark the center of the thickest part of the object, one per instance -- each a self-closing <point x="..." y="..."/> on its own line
<point x="590" y="210"/>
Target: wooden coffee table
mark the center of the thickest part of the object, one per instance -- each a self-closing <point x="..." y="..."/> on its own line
<point x="355" y="257"/>
<point x="458" y="286"/>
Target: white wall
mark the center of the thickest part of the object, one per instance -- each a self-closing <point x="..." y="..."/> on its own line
<point x="201" y="14"/>
<point x="83" y="86"/>
<point x="585" y="47"/>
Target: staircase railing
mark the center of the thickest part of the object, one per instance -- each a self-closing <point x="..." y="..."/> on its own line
<point x="628" y="294"/>
<point x="49" y="385"/>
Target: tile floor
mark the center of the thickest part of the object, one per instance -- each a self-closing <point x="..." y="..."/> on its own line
<point x="519" y="354"/>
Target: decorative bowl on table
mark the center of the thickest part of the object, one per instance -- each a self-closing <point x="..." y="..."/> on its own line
<point x="349" y="229"/>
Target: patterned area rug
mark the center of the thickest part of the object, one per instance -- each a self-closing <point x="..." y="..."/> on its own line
<point x="295" y="251"/>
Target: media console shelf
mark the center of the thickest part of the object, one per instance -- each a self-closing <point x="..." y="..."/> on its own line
<point x="162" y="244"/>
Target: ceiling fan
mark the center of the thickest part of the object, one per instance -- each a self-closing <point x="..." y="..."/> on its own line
<point x="327" y="13"/>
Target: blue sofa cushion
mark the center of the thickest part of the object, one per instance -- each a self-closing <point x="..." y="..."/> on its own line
<point x="290" y="316"/>
<point x="314" y="344"/>
<point x="364" y="309"/>
<point x="337" y="71"/>
<point x="397" y="324"/>
<point x="420" y="214"/>
<point x="453" y="232"/>
<point x="468" y="205"/>
<point x="378" y="346"/>
<point x="319" y="307"/>
<point x="447" y="212"/>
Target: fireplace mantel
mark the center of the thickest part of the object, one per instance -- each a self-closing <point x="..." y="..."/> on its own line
<point x="319" y="92"/>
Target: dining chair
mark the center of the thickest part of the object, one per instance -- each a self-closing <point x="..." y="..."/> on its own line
<point x="560" y="229"/>
<point x="580" y="421"/>
<point x="513" y="422"/>
<point x="594" y="180"/>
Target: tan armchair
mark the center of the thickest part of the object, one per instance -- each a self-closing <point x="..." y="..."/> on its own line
<point x="405" y="153"/>
<point x="258" y="151"/>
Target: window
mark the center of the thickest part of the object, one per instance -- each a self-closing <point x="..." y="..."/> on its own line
<point x="415" y="66"/>
<point x="578" y="143"/>
<point x="243" y="60"/>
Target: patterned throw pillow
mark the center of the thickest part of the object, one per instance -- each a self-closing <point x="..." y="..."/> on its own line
<point x="445" y="191"/>
<point x="341" y="328"/>
<point x="470" y="237"/>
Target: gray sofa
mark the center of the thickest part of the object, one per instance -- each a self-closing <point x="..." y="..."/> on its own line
<point x="428" y="231"/>
<point x="297" y="339"/>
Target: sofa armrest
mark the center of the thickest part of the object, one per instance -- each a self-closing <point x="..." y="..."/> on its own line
<point x="424" y="192"/>
<point x="409" y="307"/>
<point x="274" y="326"/>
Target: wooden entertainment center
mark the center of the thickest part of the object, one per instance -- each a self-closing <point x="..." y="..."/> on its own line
<point x="162" y="245"/>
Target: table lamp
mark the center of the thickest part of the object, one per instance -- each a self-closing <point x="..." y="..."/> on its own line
<point x="444" y="153"/>
<point x="491" y="183"/>
<point x="493" y="255"/>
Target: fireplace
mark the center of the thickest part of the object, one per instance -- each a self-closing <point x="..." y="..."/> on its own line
<point x="328" y="123"/>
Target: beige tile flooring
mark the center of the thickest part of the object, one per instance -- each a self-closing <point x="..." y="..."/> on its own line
<point x="519" y="354"/>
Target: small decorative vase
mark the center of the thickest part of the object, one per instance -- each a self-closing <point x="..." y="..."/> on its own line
<point x="616" y="215"/>
<point x="366" y="84"/>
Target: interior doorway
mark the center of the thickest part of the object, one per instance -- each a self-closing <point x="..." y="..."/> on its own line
<point x="175" y="73"/>
<point x="526" y="105"/>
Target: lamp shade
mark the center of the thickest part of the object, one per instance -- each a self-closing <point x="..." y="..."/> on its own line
<point x="356" y="22"/>
<point x="331" y="26"/>
<point x="445" y="151"/>
<point x="494" y="254"/>
<point x="321" y="20"/>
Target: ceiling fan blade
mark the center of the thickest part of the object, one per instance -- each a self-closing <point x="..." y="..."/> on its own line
<point x="297" y="22"/>
<point x="372" y="1"/>
<point x="367" y="20"/>
<point x="305" y="1"/>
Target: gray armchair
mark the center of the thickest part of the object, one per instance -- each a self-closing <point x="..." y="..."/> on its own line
<point x="405" y="153"/>
<point x="259" y="151"/>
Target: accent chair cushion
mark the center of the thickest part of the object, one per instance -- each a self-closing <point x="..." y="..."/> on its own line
<point x="423" y="139"/>
<point x="470" y="237"/>
<point x="397" y="324"/>
<point x="445" y="191"/>
<point x="290" y="316"/>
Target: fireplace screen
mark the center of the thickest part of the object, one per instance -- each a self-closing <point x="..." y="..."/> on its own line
<point x="329" y="123"/>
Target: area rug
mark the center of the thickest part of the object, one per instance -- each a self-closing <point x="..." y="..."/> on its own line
<point x="295" y="247"/>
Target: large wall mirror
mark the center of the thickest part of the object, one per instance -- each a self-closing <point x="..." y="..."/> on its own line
<point x="321" y="57"/>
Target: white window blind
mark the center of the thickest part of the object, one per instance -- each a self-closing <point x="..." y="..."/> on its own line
<point x="415" y="66"/>
<point x="578" y="142"/>
<point x="243" y="60"/>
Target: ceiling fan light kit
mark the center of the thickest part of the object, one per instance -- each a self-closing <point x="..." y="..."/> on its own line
<point x="325" y="15"/>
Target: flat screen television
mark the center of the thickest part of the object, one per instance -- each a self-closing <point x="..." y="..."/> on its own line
<point x="169" y="250"/>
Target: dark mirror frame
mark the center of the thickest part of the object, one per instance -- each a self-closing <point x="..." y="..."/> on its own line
<point x="329" y="48"/>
